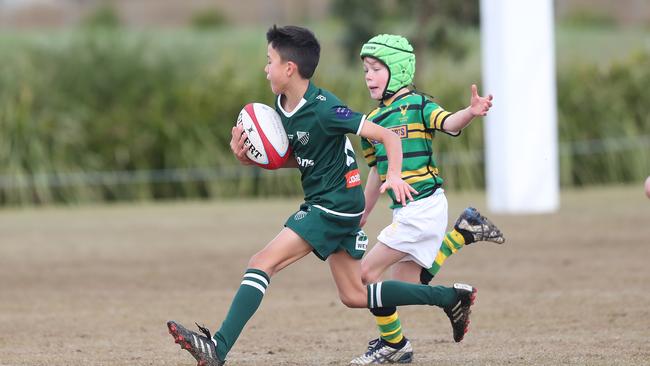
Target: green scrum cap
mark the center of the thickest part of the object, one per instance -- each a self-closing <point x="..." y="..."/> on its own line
<point x="397" y="54"/>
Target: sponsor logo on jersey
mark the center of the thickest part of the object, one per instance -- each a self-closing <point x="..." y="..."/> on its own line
<point x="300" y="215"/>
<point x="352" y="178"/>
<point x="362" y="241"/>
<point x="303" y="137"/>
<point x="404" y="108"/>
<point x="321" y="98"/>
<point x="342" y="112"/>
<point x="290" y="136"/>
<point x="349" y="152"/>
<point x="401" y="131"/>
<point x="305" y="163"/>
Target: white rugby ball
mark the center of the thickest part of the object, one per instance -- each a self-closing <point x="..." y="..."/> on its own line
<point x="267" y="142"/>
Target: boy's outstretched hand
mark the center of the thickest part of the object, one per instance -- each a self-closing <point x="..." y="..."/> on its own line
<point x="479" y="106"/>
<point x="401" y="189"/>
<point x="238" y="145"/>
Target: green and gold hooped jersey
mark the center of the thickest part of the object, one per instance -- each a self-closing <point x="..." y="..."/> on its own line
<point x="316" y="129"/>
<point x="414" y="118"/>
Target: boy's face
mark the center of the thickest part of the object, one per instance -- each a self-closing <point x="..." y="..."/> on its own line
<point x="376" y="77"/>
<point x="277" y="71"/>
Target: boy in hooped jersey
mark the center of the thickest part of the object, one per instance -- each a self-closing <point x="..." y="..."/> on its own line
<point x="327" y="223"/>
<point x="415" y="244"/>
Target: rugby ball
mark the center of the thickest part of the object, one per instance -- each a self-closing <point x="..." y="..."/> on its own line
<point x="267" y="142"/>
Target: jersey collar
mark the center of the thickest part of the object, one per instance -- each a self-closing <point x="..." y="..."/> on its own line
<point x="310" y="93"/>
<point x="393" y="99"/>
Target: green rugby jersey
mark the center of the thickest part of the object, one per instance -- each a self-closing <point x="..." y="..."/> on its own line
<point x="316" y="129"/>
<point x="414" y="118"/>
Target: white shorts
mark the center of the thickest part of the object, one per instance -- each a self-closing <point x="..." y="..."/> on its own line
<point x="418" y="229"/>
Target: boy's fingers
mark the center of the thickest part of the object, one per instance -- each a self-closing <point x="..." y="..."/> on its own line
<point x="398" y="194"/>
<point x="410" y="192"/>
<point x="474" y="90"/>
<point x="242" y="139"/>
<point x="403" y="195"/>
<point x="409" y="196"/>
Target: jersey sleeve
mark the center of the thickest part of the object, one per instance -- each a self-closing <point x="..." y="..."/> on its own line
<point x="368" y="152"/>
<point x="435" y="117"/>
<point x="338" y="119"/>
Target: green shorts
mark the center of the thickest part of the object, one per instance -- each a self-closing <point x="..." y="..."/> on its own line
<point x="328" y="233"/>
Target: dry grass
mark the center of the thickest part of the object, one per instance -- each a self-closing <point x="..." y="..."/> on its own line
<point x="95" y="285"/>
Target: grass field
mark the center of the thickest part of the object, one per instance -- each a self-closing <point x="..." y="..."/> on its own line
<point x="95" y="286"/>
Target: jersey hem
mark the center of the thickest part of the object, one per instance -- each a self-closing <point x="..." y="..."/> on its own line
<point x="344" y="214"/>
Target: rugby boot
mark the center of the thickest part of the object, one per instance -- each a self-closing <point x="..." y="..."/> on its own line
<point x="379" y="352"/>
<point x="200" y="346"/>
<point x="459" y="312"/>
<point x="479" y="227"/>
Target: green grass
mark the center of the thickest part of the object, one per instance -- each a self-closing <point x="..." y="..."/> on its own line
<point x="84" y="101"/>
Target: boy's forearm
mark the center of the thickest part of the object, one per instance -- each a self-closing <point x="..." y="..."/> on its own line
<point x="393" y="146"/>
<point x="459" y="120"/>
<point x="371" y="191"/>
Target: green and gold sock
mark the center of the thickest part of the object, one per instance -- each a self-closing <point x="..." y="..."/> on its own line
<point x="452" y="243"/>
<point x="390" y="328"/>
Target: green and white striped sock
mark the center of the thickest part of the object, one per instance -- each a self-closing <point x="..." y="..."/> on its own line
<point x="396" y="293"/>
<point x="244" y="305"/>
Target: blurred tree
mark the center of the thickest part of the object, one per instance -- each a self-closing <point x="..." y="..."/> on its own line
<point x="360" y="21"/>
<point x="427" y="23"/>
<point x="105" y="16"/>
<point x="208" y="19"/>
<point x="435" y="24"/>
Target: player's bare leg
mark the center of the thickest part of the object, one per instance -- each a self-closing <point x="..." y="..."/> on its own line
<point x="375" y="263"/>
<point x="346" y="272"/>
<point x="407" y="271"/>
<point x="391" y="346"/>
<point x="286" y="248"/>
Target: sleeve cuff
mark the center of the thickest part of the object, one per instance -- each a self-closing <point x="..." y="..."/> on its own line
<point x="363" y="120"/>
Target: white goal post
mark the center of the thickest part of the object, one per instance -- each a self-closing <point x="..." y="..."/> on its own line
<point x="521" y="140"/>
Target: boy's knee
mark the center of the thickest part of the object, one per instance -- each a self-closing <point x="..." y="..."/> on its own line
<point x="354" y="303"/>
<point x="259" y="261"/>
<point x="367" y="274"/>
<point x="357" y="300"/>
<point x="255" y="261"/>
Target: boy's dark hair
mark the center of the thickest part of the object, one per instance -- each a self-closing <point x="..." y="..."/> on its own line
<point x="296" y="44"/>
